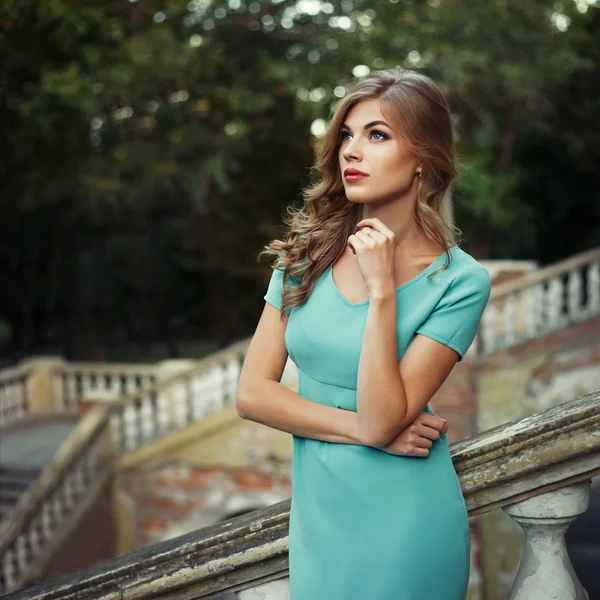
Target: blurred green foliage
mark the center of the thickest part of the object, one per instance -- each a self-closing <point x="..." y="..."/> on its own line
<point x="150" y="147"/>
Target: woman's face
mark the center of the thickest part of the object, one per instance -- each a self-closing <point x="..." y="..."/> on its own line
<point x="369" y="144"/>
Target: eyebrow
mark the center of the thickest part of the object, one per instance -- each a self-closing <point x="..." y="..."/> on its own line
<point x="368" y="125"/>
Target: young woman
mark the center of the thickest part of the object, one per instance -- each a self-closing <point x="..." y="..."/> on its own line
<point x="375" y="303"/>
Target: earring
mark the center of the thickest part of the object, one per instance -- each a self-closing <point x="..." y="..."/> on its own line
<point x="419" y="173"/>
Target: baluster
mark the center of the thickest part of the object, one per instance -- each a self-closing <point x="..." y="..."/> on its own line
<point x="163" y="412"/>
<point x="57" y="510"/>
<point x="531" y="299"/>
<point x="35" y="539"/>
<point x="574" y="289"/>
<point x="129" y="426"/>
<point x="232" y="376"/>
<point x="179" y="397"/>
<point x="199" y="386"/>
<point x="9" y="400"/>
<point x="554" y="304"/>
<point x="21" y="554"/>
<point x="147" y="418"/>
<point x="189" y="400"/>
<point x="110" y="385"/>
<point x="273" y="590"/>
<point x="66" y="488"/>
<point x="593" y="291"/>
<point x="509" y="315"/>
<point x="46" y="522"/>
<point x="220" y="387"/>
<point x="116" y="431"/>
<point x="487" y="328"/>
<point x="10" y="570"/>
<point x="70" y="391"/>
<point x="131" y="385"/>
<point x="88" y="385"/>
<point x="545" y="570"/>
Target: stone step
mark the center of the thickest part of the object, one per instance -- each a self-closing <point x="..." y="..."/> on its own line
<point x="11" y="480"/>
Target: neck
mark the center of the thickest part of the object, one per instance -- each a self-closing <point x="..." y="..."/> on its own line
<point x="398" y="217"/>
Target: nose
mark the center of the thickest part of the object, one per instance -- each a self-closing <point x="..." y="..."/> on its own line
<point x="352" y="150"/>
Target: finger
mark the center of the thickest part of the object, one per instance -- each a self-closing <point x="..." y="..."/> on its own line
<point x="366" y="239"/>
<point x="355" y="243"/>
<point x="377" y="224"/>
<point x="421" y="452"/>
<point x="423" y="442"/>
<point x="429" y="432"/>
<point x="378" y="236"/>
<point x="433" y="421"/>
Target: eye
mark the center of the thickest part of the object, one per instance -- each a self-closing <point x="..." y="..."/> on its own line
<point x="374" y="132"/>
<point x="377" y="132"/>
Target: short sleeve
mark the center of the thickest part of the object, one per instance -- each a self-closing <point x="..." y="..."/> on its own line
<point x="455" y="319"/>
<point x="275" y="289"/>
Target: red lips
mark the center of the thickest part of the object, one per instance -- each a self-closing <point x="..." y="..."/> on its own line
<point x="353" y="172"/>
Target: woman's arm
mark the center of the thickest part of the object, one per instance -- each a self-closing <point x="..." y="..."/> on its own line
<point x="390" y="393"/>
<point x="261" y="398"/>
<point x="272" y="404"/>
<point x="380" y="395"/>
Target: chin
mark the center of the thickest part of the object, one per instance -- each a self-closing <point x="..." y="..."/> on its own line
<point x="360" y="198"/>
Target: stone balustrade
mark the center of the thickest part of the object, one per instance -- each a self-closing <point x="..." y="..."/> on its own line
<point x="69" y="484"/>
<point x="544" y="301"/>
<point x="75" y="382"/>
<point x="14" y="403"/>
<point x="179" y="400"/>
<point x="537" y="469"/>
<point x="47" y="511"/>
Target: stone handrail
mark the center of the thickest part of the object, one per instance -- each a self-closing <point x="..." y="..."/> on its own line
<point x="541" y="302"/>
<point x="69" y="484"/>
<point x="518" y="466"/>
<point x="13" y="395"/>
<point x="74" y="382"/>
<point x="179" y="400"/>
<point x="62" y="492"/>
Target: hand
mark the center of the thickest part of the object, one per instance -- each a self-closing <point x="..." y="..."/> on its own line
<point x="418" y="437"/>
<point x="374" y="245"/>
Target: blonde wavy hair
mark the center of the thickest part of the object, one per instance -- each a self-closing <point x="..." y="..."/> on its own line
<point x="318" y="231"/>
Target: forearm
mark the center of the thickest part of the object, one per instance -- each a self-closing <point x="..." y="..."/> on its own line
<point x="275" y="405"/>
<point x="381" y="398"/>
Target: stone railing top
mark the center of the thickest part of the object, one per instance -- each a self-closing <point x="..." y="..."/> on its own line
<point x="12" y="373"/>
<point x="29" y="503"/>
<point x="108" y="367"/>
<point x="520" y="459"/>
<point x="545" y="273"/>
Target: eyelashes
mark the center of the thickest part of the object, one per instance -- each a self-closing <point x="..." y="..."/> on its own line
<point x="373" y="132"/>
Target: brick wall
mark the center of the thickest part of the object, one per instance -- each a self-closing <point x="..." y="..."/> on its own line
<point x="176" y="498"/>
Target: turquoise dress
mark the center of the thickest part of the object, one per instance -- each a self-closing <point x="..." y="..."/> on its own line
<point x="364" y="524"/>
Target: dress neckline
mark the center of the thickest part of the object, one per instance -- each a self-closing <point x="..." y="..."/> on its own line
<point x="424" y="272"/>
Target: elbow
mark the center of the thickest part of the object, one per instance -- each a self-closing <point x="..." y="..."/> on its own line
<point x="242" y="403"/>
<point x="380" y="437"/>
<point x="376" y="439"/>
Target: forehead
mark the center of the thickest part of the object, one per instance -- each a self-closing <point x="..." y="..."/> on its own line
<point x="364" y="112"/>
